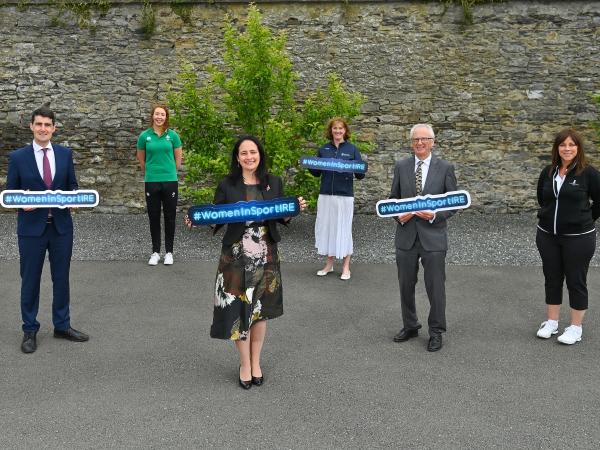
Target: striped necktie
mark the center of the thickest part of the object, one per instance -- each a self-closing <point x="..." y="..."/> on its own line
<point x="419" y="177"/>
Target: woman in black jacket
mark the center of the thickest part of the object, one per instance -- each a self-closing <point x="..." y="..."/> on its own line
<point x="248" y="283"/>
<point x="568" y="193"/>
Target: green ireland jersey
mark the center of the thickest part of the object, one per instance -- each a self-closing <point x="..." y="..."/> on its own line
<point x="160" y="160"/>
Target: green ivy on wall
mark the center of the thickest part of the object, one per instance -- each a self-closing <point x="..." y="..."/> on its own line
<point x="183" y="9"/>
<point x="596" y="123"/>
<point x="467" y="6"/>
<point x="148" y="25"/>
<point x="81" y="9"/>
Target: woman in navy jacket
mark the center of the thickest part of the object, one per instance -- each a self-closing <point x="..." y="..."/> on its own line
<point x="568" y="193"/>
<point x="335" y="206"/>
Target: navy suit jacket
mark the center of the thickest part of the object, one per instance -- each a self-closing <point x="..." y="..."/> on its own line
<point x="23" y="174"/>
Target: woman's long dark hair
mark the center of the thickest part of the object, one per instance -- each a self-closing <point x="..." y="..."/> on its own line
<point x="235" y="170"/>
<point x="580" y="162"/>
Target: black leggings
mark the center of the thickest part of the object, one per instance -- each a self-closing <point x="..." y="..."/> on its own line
<point x="162" y="193"/>
<point x="566" y="257"/>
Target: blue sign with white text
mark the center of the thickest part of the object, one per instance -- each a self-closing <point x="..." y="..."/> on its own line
<point x="82" y="198"/>
<point x="252" y="211"/>
<point x="438" y="202"/>
<point x="333" y="164"/>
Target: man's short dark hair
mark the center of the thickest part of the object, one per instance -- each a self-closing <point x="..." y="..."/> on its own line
<point x="44" y="111"/>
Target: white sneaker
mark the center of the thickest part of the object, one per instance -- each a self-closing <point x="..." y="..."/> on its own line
<point x="571" y="335"/>
<point x="546" y="330"/>
<point x="168" y="259"/>
<point x="154" y="259"/>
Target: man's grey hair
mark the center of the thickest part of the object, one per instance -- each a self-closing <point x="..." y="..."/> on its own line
<point x="428" y="127"/>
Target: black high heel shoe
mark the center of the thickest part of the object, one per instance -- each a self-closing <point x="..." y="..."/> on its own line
<point x="258" y="381"/>
<point x="245" y="384"/>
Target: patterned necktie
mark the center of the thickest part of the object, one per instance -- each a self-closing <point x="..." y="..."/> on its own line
<point x="419" y="177"/>
<point x="47" y="173"/>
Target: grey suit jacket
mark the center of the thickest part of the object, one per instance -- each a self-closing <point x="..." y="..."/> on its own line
<point x="440" y="179"/>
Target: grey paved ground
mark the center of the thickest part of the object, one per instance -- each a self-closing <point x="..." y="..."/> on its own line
<point x="150" y="377"/>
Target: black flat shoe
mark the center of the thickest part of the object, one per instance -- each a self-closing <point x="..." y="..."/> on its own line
<point x="29" y="344"/>
<point x="258" y="381"/>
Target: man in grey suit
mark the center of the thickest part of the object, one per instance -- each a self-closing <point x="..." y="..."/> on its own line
<point x="422" y="235"/>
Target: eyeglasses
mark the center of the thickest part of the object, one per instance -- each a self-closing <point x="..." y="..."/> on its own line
<point x="423" y="140"/>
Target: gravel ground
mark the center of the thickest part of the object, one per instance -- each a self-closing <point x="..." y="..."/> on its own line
<point x="475" y="239"/>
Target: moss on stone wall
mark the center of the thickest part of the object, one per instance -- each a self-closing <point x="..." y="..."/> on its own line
<point x="81" y="9"/>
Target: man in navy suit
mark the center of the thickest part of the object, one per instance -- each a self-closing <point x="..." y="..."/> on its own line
<point x="39" y="167"/>
<point x="422" y="236"/>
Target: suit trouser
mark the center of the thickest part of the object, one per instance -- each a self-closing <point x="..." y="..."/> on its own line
<point x="566" y="257"/>
<point x="434" y="267"/>
<point x="32" y="252"/>
<point x="162" y="194"/>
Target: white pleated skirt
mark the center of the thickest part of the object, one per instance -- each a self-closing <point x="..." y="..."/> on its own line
<point x="333" y="227"/>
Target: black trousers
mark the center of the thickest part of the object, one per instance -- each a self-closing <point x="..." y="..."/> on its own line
<point x="162" y="194"/>
<point x="434" y="267"/>
<point x="566" y="257"/>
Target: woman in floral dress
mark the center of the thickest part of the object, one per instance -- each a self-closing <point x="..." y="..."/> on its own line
<point x="248" y="287"/>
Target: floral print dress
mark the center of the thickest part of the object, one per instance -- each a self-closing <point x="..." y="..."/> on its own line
<point x="248" y="282"/>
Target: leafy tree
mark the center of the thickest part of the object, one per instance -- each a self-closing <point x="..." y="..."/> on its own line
<point x="254" y="93"/>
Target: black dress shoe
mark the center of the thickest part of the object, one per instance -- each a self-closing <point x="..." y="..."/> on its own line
<point x="71" y="335"/>
<point x="29" y="344"/>
<point x="435" y="343"/>
<point x="405" y="335"/>
<point x="258" y="381"/>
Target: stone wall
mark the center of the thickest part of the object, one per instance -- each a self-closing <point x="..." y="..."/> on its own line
<point x="495" y="91"/>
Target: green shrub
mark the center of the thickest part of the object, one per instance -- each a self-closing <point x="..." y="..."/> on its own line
<point x="254" y="93"/>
